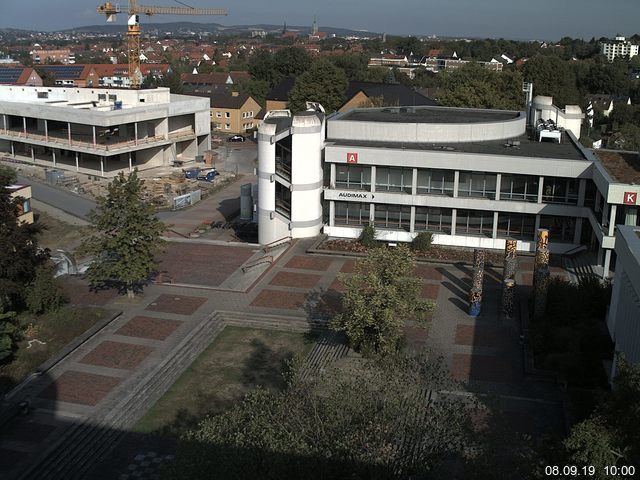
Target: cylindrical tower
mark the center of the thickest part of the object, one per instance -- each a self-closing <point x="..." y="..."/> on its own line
<point x="267" y="231"/>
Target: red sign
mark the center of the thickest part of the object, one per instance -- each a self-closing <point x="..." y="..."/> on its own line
<point x="352" y="157"/>
<point x="630" y="198"/>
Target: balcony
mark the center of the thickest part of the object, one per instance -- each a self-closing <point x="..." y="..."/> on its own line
<point x="283" y="169"/>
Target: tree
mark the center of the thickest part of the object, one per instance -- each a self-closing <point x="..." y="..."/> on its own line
<point x="262" y="67"/>
<point x="358" y="419"/>
<point x="379" y="297"/>
<point x="291" y="61"/>
<point x="553" y="77"/>
<point x="125" y="238"/>
<point x="323" y="82"/>
<point x="8" y="331"/>
<point x="258" y="89"/>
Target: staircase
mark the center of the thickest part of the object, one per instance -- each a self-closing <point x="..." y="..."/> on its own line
<point x="580" y="265"/>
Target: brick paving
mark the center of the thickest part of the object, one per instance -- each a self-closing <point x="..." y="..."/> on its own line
<point x="181" y="305"/>
<point x="430" y="291"/>
<point x="489" y="368"/>
<point x="202" y="264"/>
<point x="117" y="355"/>
<point x="279" y="299"/>
<point x="149" y="327"/>
<point x="307" y="262"/>
<point x="297" y="280"/>
<point x="79" y="387"/>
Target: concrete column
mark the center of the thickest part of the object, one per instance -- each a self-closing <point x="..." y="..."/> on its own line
<point x="33" y="155"/>
<point x="53" y="150"/>
<point x="537" y="226"/>
<point x="494" y="233"/>
<point x="596" y="205"/>
<point x="77" y="163"/>
<point x="4" y="117"/>
<point x="373" y="178"/>
<point x="94" y="136"/>
<point x="372" y="212"/>
<point x="600" y="257"/>
<point x="69" y="131"/>
<point x="24" y="125"/>
<point x="582" y="188"/>
<point x="456" y="183"/>
<point x="13" y="151"/>
<point x="412" y="228"/>
<point x="606" y="264"/>
<point x="630" y="215"/>
<point x="414" y="185"/>
<point x="612" y="219"/>
<point x="130" y="163"/>
<point x="578" y="231"/>
<point x="498" y="185"/>
<point x="332" y="211"/>
<point x="135" y="132"/>
<point x="101" y="166"/>
<point x="332" y="177"/>
<point x="605" y="215"/>
<point x="540" y="188"/>
<point x="46" y="130"/>
<point x="454" y="213"/>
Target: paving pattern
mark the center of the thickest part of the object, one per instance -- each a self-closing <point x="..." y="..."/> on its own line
<point x="84" y="406"/>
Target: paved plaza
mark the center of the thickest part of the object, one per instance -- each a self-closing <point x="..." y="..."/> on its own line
<point x="101" y="389"/>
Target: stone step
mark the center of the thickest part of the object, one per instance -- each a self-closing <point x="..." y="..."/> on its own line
<point x="273" y="322"/>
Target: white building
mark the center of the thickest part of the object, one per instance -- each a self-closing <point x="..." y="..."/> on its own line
<point x="471" y="177"/>
<point x="619" y="47"/>
<point x="102" y="131"/>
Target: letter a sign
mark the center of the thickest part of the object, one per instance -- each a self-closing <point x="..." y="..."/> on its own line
<point x="352" y="157"/>
<point x="630" y="198"/>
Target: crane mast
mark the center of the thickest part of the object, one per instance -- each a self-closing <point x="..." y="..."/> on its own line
<point x="110" y="10"/>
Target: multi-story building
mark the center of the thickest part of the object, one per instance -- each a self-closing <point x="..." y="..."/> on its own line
<point x="64" y="56"/>
<point x="233" y="112"/>
<point x="471" y="177"/>
<point x="619" y="47"/>
<point x="101" y="131"/>
<point x="117" y="75"/>
<point x="72" y="75"/>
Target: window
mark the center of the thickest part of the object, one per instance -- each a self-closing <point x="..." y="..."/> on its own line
<point x="250" y="114"/>
<point x="43" y="94"/>
<point x="112" y="98"/>
<point x="561" y="229"/>
<point x="351" y="213"/>
<point x="560" y="190"/>
<point x="435" y="182"/>
<point x="393" y="179"/>
<point x="227" y="126"/>
<point x="474" y="222"/>
<point x="227" y="115"/>
<point x="473" y="184"/>
<point x="244" y="115"/>
<point x="392" y="216"/>
<point x="516" y="225"/>
<point x="519" y="187"/>
<point x="218" y="115"/>
<point x="353" y="177"/>
<point x="431" y="219"/>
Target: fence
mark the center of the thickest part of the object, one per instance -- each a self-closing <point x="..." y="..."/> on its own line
<point x="185" y="200"/>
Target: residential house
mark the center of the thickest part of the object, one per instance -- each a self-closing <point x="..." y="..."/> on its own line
<point x="72" y="75"/>
<point x="25" y="214"/>
<point x="363" y="94"/>
<point x="604" y="104"/>
<point x="20" y="76"/>
<point x="233" y="112"/>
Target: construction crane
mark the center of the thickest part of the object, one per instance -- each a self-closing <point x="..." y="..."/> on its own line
<point x="110" y="10"/>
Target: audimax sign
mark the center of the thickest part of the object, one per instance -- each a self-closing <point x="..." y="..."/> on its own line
<point x="362" y="196"/>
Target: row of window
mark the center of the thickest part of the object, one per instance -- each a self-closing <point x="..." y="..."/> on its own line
<point x="228" y="114"/>
<point x="218" y="126"/>
<point x="439" y="220"/>
<point x="470" y="184"/>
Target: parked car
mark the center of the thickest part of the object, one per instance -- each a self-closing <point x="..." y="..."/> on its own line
<point x="236" y="138"/>
<point x="191" y="172"/>
<point x="207" y="175"/>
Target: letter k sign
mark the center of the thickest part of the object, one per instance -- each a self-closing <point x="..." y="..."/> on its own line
<point x="630" y="198"/>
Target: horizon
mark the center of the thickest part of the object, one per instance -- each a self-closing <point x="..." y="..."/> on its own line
<point x="542" y="20"/>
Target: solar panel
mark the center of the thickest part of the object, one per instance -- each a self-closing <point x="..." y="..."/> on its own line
<point x="62" y="72"/>
<point x="10" y="75"/>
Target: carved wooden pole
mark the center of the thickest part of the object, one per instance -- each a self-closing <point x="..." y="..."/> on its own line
<point x="508" y="295"/>
<point x="509" y="277"/>
<point x="541" y="274"/>
<point x="475" y="296"/>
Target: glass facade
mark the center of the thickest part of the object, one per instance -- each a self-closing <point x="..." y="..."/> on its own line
<point x="351" y="213"/>
<point x="474" y="222"/>
<point x="519" y="187"/>
<point x="431" y="219"/>
<point x="435" y="182"/>
<point x="395" y="217"/>
<point x="475" y="184"/>
<point x="561" y="229"/>
<point x="560" y="190"/>
<point x="353" y="177"/>
<point x="393" y="179"/>
<point x="516" y="225"/>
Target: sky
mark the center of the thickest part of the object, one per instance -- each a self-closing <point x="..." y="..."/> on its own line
<point x="512" y="19"/>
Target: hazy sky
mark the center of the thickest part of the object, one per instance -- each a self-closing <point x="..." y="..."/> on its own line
<point x="518" y="19"/>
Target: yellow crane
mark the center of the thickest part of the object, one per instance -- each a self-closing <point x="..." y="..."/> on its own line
<point x="110" y="10"/>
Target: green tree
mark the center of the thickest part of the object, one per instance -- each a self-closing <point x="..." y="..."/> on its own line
<point x="262" y="66"/>
<point x="362" y="419"/>
<point x="323" y="82"/>
<point x="8" y="332"/>
<point x="379" y="298"/>
<point x="44" y="294"/>
<point x="291" y="61"/>
<point x="125" y="237"/>
<point x="553" y="77"/>
<point x="258" y="89"/>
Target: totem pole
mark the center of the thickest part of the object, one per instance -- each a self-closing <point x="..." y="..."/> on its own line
<point x="541" y="274"/>
<point x="475" y="297"/>
<point x="509" y="277"/>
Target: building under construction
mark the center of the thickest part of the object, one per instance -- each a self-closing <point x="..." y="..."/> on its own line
<point x="102" y="131"/>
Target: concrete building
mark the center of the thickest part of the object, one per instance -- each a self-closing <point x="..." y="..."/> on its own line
<point x="619" y="47"/>
<point x="471" y="177"/>
<point x="624" y="311"/>
<point x="101" y="131"/>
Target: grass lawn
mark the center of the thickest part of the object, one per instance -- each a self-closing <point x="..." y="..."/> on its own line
<point x="56" y="329"/>
<point x="58" y="234"/>
<point x="236" y="362"/>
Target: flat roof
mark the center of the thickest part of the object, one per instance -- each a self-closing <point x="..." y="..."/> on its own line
<point x="421" y="114"/>
<point x="624" y="167"/>
<point x="566" y="150"/>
